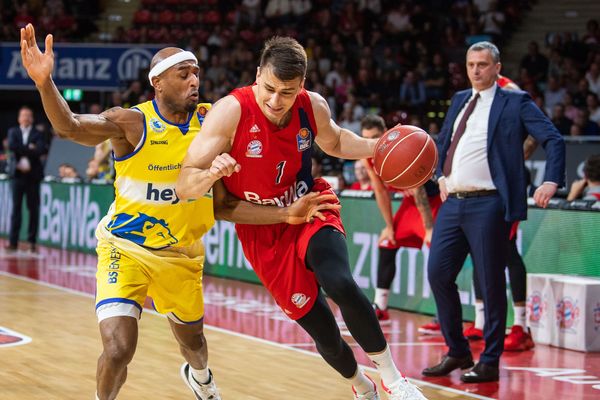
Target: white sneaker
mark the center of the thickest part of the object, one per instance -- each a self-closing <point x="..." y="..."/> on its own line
<point x="207" y="391"/>
<point x="370" y="395"/>
<point x="402" y="389"/>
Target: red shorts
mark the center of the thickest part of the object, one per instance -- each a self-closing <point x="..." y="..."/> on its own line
<point x="277" y="255"/>
<point x="408" y="224"/>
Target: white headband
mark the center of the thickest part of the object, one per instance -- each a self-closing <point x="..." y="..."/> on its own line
<point x="169" y="62"/>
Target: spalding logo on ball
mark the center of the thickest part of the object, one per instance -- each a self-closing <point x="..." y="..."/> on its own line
<point x="405" y="157"/>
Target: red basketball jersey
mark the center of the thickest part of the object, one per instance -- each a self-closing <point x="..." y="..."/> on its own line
<point x="276" y="163"/>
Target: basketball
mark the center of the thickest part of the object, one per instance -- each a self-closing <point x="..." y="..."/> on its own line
<point x="405" y="157"/>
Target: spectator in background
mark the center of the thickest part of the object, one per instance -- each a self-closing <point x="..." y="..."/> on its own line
<point x="587" y="188"/>
<point x="553" y="95"/>
<point x="587" y="127"/>
<point x="436" y="78"/>
<point x="362" y="182"/>
<point x="592" y="35"/>
<point x="593" y="78"/>
<point x="593" y="107"/>
<point x="535" y="63"/>
<point x="68" y="173"/>
<point x="580" y="96"/>
<point x="571" y="111"/>
<point x="492" y="22"/>
<point x="27" y="146"/>
<point x="562" y="123"/>
<point x="412" y="91"/>
<point x="347" y="120"/>
<point x="131" y="96"/>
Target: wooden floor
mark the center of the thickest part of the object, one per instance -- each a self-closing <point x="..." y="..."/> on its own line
<point x="255" y="351"/>
<point x="60" y="361"/>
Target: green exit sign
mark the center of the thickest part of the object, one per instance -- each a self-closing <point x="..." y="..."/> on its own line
<point x="72" y="94"/>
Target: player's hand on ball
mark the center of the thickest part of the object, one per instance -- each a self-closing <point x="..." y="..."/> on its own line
<point x="310" y="206"/>
<point x="224" y="165"/>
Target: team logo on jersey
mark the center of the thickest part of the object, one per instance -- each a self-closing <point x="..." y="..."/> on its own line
<point x="201" y="113"/>
<point x="304" y="139"/>
<point x="157" y="125"/>
<point x="254" y="149"/>
<point x="300" y="299"/>
<point x="11" y="338"/>
<point x="143" y="230"/>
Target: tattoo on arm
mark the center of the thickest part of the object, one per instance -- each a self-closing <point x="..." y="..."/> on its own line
<point x="422" y="203"/>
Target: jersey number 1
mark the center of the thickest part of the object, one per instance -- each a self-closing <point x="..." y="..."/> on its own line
<point x="280" y="168"/>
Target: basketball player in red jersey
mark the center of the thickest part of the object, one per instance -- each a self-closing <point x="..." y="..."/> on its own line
<point x="409" y="227"/>
<point x="259" y="140"/>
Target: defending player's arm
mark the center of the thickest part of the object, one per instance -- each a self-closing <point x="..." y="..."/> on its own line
<point x="384" y="203"/>
<point x="123" y="126"/>
<point x="305" y="209"/>
<point x="206" y="160"/>
<point x="336" y="141"/>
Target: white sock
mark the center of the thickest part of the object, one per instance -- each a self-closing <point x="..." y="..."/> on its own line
<point x="479" y="315"/>
<point x="519" y="315"/>
<point x="97" y="398"/>
<point x="381" y="298"/>
<point x="200" y="375"/>
<point x="385" y="366"/>
<point x="361" y="383"/>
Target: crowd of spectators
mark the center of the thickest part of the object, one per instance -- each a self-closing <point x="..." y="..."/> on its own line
<point x="68" y="21"/>
<point x="565" y="81"/>
<point x="400" y="59"/>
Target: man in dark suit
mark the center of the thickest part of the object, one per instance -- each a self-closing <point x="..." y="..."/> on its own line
<point x="483" y="185"/>
<point x="26" y="146"/>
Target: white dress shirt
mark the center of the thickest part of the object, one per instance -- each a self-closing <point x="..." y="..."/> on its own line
<point x="470" y="168"/>
<point x="25" y="131"/>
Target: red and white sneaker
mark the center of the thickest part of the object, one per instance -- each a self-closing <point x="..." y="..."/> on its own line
<point x="383" y="316"/>
<point x="431" y="328"/>
<point x="370" y="395"/>
<point x="518" y="339"/>
<point x="473" y="333"/>
<point x="402" y="389"/>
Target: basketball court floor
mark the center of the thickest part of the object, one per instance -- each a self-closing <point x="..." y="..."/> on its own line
<point x="49" y="344"/>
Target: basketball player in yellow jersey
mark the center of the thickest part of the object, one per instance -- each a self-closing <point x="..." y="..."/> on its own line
<point x="149" y="242"/>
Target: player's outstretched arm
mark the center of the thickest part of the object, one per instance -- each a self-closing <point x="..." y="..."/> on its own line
<point x="84" y="129"/>
<point x="305" y="209"/>
<point x="384" y="203"/>
<point x="207" y="160"/>
<point x="336" y="141"/>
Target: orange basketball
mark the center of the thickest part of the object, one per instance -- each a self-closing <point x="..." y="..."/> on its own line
<point x="405" y="157"/>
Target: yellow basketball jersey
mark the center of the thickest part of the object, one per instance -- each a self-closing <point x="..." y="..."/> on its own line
<point x="146" y="209"/>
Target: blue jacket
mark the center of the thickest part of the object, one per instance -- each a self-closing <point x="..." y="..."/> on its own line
<point x="513" y="116"/>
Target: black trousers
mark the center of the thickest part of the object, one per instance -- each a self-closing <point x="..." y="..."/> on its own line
<point x="30" y="189"/>
<point x="476" y="226"/>
<point x="516" y="271"/>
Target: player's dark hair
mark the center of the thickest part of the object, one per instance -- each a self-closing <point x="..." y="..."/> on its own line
<point x="371" y="121"/>
<point x="285" y="56"/>
<point x="591" y="168"/>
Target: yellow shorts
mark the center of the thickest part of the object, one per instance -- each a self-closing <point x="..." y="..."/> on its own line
<point x="127" y="273"/>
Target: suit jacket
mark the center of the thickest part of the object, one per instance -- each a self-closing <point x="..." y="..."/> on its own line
<point x="513" y="116"/>
<point x="19" y="149"/>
